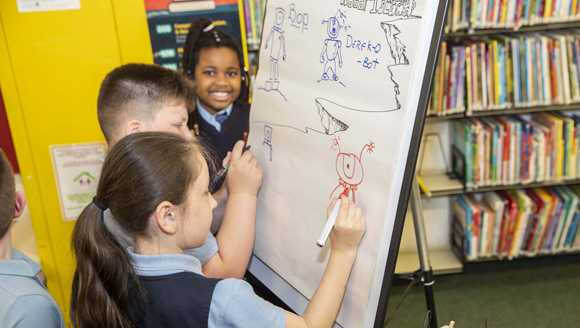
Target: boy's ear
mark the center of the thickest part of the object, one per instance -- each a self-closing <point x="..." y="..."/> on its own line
<point x="133" y="126"/>
<point x="20" y="204"/>
<point x="165" y="217"/>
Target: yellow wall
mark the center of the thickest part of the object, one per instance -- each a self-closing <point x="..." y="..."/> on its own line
<point x="51" y="66"/>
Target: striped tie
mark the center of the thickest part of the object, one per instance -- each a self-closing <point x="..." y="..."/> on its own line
<point x="221" y="118"/>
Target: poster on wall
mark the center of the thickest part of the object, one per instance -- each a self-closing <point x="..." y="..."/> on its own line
<point x="169" y="22"/>
<point x="76" y="170"/>
<point x="28" y="6"/>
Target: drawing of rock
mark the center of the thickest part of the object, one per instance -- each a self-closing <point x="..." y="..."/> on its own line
<point x="330" y="123"/>
<point x="396" y="46"/>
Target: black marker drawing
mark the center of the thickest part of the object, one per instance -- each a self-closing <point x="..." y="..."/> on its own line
<point x="330" y="123"/>
<point x="328" y="113"/>
<point x="396" y="8"/>
<point x="278" y="45"/>
<point x="268" y="138"/>
<point x="396" y="47"/>
<point x="331" y="51"/>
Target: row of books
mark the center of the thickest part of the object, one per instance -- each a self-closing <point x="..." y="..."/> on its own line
<point x="502" y="72"/>
<point x="514" y="223"/>
<point x="513" y="149"/>
<point x="484" y="14"/>
<point x="254" y="16"/>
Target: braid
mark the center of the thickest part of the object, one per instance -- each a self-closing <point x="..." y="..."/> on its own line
<point x="190" y="51"/>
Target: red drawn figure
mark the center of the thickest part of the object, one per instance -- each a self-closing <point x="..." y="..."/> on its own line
<point x="349" y="169"/>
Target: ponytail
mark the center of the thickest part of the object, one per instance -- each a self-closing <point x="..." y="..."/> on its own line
<point x="101" y="285"/>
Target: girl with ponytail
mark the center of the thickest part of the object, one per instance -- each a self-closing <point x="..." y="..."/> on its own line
<point x="156" y="185"/>
<point x="214" y="60"/>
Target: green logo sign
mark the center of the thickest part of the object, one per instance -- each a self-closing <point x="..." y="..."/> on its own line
<point x="172" y="66"/>
<point x="163" y="29"/>
<point x="167" y="53"/>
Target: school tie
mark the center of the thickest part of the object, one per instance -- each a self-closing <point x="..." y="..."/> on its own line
<point x="221" y="118"/>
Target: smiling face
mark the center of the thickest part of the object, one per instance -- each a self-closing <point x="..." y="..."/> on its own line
<point x="218" y="78"/>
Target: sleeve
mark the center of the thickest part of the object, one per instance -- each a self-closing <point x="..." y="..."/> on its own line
<point x="205" y="252"/>
<point x="33" y="311"/>
<point x="123" y="239"/>
<point x="17" y="255"/>
<point x="234" y="304"/>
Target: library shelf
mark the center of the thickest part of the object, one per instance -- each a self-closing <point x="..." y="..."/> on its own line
<point x="522" y="29"/>
<point x="443" y="185"/>
<point x="442" y="258"/>
<point x="511" y="111"/>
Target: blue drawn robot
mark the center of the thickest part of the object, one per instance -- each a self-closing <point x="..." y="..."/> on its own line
<point x="278" y="43"/>
<point x="268" y="138"/>
<point x="331" y="52"/>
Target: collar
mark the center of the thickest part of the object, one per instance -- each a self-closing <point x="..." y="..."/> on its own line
<point x="164" y="264"/>
<point x="211" y="118"/>
<point x="18" y="267"/>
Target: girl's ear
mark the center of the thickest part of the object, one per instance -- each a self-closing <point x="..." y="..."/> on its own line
<point x="165" y="217"/>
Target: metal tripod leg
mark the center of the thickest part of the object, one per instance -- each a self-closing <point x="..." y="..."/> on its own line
<point x="425" y="273"/>
<point x="421" y="236"/>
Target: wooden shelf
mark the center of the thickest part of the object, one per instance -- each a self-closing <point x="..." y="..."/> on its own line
<point x="523" y="29"/>
<point x="442" y="258"/>
<point x="442" y="185"/>
<point x="520" y="110"/>
<point x="523" y="257"/>
<point x="521" y="263"/>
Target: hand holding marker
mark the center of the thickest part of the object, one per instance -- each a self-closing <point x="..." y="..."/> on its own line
<point x="221" y="174"/>
<point x="345" y="225"/>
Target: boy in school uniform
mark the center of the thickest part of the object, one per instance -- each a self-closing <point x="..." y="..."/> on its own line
<point x="139" y="98"/>
<point x="24" y="300"/>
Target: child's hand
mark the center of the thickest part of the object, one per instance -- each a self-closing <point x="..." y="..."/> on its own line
<point x="245" y="174"/>
<point x="349" y="227"/>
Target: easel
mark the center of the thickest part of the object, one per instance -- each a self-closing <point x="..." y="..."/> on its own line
<point x="425" y="274"/>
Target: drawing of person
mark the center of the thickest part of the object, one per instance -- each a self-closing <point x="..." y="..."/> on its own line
<point x="331" y="51"/>
<point x="278" y="43"/>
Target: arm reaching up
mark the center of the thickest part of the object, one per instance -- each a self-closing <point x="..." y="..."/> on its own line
<point x="236" y="235"/>
<point x="345" y="238"/>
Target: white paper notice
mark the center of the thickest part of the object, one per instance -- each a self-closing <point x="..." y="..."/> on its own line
<point x="330" y="102"/>
<point x="27" y="6"/>
<point x="76" y="170"/>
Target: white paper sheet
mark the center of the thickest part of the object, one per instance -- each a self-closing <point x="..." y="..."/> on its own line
<point x="330" y="102"/>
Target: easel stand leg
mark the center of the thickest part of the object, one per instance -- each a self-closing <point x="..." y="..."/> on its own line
<point x="425" y="273"/>
<point x="421" y="236"/>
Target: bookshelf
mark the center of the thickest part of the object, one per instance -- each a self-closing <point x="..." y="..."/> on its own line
<point x="522" y="110"/>
<point x="444" y="256"/>
<point x="502" y="41"/>
<point x="441" y="185"/>
<point x="523" y="29"/>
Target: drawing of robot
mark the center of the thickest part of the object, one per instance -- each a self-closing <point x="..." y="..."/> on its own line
<point x="278" y="43"/>
<point x="349" y="169"/>
<point x="331" y="51"/>
<point x="268" y="138"/>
